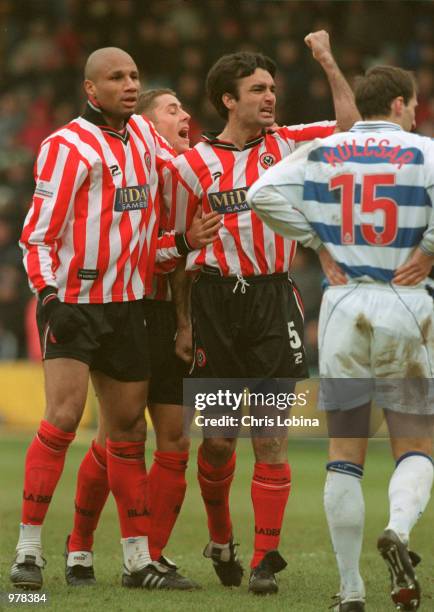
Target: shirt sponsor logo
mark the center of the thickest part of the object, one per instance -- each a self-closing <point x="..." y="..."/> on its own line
<point x="131" y="198"/>
<point x="225" y="202"/>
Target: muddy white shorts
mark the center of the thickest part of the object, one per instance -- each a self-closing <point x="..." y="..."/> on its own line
<point x="382" y="333"/>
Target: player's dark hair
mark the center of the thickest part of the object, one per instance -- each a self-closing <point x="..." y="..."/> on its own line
<point x="224" y="75"/>
<point x="147" y="99"/>
<point x="375" y="91"/>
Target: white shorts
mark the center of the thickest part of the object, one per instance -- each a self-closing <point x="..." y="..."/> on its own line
<point x="379" y="332"/>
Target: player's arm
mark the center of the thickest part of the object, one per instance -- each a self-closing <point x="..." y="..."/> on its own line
<point x="277" y="198"/>
<point x="180" y="284"/>
<point x="192" y="230"/>
<point x="332" y="270"/>
<point x="420" y="263"/>
<point x="59" y="173"/>
<point x="202" y="231"/>
<point x="343" y="98"/>
<point x="416" y="269"/>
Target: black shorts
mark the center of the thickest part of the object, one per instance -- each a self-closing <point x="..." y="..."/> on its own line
<point x="114" y="340"/>
<point x="167" y="370"/>
<point x="255" y="334"/>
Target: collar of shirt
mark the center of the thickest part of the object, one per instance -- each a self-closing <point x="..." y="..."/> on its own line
<point x="94" y="115"/>
<point x="212" y="139"/>
<point x="376" y="126"/>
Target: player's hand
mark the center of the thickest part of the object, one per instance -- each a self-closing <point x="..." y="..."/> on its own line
<point x="333" y="272"/>
<point x="319" y="44"/>
<point x="184" y="344"/>
<point x="63" y="320"/>
<point x="203" y="229"/>
<point x="273" y="128"/>
<point x="415" y="270"/>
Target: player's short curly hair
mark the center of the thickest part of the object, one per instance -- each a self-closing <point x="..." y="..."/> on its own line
<point x="224" y="75"/>
<point x="375" y="91"/>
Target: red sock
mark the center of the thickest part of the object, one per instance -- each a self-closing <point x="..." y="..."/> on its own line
<point x="215" y="484"/>
<point x="271" y="484"/>
<point x="166" y="490"/>
<point x="127" y="480"/>
<point x="43" y="467"/>
<point x="90" y="497"/>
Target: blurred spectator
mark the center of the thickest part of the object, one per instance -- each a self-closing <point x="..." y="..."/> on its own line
<point x="13" y="292"/>
<point x="11" y="116"/>
<point x="8" y="345"/>
<point x="317" y="104"/>
<point x="36" y="52"/>
<point x="37" y="127"/>
<point x="425" y="95"/>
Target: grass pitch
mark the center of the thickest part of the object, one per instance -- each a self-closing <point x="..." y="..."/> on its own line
<point x="305" y="586"/>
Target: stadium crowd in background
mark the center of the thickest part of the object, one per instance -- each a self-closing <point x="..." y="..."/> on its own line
<point x="44" y="44"/>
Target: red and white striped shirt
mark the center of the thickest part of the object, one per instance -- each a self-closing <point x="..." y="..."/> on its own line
<point x="92" y="228"/>
<point x="161" y="289"/>
<point x="216" y="175"/>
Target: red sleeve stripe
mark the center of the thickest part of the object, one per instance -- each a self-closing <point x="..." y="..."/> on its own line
<point x="47" y="158"/>
<point x="309" y="131"/>
<point x="200" y="169"/>
<point x="50" y="161"/>
<point x="31" y="258"/>
<point x="180" y="198"/>
<point x="49" y="216"/>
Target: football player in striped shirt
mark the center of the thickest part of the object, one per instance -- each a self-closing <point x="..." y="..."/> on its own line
<point x="247" y="314"/>
<point x="89" y="242"/>
<point x="366" y="196"/>
<point x="166" y="479"/>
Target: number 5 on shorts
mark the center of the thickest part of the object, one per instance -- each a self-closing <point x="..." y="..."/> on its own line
<point x="294" y="338"/>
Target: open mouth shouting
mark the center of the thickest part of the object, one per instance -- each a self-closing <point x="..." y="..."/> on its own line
<point x="267" y="112"/>
<point x="183" y="133"/>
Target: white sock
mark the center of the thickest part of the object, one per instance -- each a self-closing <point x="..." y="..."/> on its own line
<point x="29" y="543"/>
<point x="409" y="493"/>
<point x="345" y="511"/>
<point x="136" y="553"/>
<point x="29" y="538"/>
